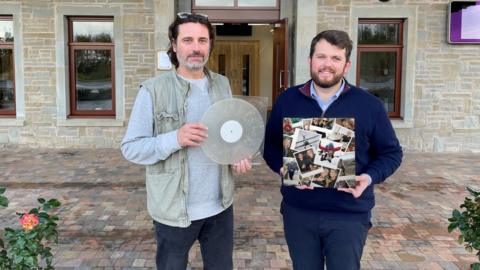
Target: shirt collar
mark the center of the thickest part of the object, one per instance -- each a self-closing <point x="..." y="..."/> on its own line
<point x="313" y="93"/>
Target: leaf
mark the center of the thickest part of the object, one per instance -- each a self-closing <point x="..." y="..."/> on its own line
<point x="456" y="214"/>
<point x="452" y="226"/>
<point x="41" y="200"/>
<point x="48" y="257"/>
<point x="473" y="192"/>
<point x="32" y="234"/>
<point x="54" y="203"/>
<point x="31" y="262"/>
<point x="20" y="243"/>
<point x="3" y="201"/>
<point x="33" y="246"/>
<point x="46" y="207"/>
<point x="475" y="266"/>
<point x="2" y="190"/>
<point x="1" y="243"/>
<point x="461" y="239"/>
<point x="17" y="259"/>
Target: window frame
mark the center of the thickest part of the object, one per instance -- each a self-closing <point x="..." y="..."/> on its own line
<point x="398" y="48"/>
<point x="72" y="47"/>
<point x="239" y="14"/>
<point x="10" y="45"/>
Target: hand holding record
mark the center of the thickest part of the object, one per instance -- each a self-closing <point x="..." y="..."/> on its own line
<point x="243" y="166"/>
<point x="191" y="134"/>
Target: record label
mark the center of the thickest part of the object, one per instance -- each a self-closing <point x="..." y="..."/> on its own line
<point x="231" y="131"/>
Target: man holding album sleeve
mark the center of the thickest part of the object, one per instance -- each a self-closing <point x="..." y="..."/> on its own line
<point x="329" y="226"/>
<point x="189" y="197"/>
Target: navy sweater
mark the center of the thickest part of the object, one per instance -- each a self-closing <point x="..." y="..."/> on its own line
<point x="377" y="150"/>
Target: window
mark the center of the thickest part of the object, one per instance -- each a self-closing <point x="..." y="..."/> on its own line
<point x="7" y="73"/>
<point x="236" y="3"/>
<point x="379" y="60"/>
<point x="91" y="66"/>
<point x="238" y="11"/>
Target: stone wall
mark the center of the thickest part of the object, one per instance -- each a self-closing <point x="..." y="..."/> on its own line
<point x="39" y="126"/>
<point x="446" y="100"/>
<point x="444" y="107"/>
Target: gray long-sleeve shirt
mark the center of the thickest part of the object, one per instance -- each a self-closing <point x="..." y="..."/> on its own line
<point x="141" y="147"/>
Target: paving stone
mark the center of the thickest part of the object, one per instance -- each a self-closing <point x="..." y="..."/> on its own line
<point x="105" y="225"/>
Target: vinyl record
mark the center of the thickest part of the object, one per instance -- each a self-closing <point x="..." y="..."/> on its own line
<point x="235" y="131"/>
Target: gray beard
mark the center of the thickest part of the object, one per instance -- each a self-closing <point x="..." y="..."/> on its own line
<point x="194" y="66"/>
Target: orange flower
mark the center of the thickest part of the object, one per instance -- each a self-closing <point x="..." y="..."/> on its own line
<point x="29" y="221"/>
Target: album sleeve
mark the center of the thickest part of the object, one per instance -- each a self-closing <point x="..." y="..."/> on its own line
<point x="273" y="151"/>
<point x="139" y="145"/>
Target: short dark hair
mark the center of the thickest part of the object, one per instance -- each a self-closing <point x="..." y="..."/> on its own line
<point x="337" y="38"/>
<point x="186" y="17"/>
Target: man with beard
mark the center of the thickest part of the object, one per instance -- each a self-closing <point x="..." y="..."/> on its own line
<point x="189" y="197"/>
<point x="327" y="226"/>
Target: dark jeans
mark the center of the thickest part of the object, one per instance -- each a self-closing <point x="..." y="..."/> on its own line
<point x="215" y="235"/>
<point x="314" y="241"/>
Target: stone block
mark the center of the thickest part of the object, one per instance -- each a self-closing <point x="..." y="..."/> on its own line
<point x="4" y="138"/>
<point x="469" y="122"/>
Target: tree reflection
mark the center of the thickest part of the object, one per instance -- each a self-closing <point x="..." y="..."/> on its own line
<point x="101" y="37"/>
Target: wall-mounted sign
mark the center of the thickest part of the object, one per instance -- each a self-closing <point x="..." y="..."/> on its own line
<point x="464" y="22"/>
<point x="163" y="61"/>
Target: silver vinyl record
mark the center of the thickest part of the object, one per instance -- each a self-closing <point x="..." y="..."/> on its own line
<point x="235" y="131"/>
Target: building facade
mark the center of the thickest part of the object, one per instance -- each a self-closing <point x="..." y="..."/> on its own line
<point x="70" y="69"/>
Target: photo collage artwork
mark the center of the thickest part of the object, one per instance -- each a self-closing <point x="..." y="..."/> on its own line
<point x="319" y="152"/>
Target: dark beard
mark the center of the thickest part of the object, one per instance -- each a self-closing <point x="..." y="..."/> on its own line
<point x="324" y="84"/>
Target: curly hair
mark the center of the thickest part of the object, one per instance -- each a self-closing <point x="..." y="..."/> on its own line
<point x="185" y="17"/>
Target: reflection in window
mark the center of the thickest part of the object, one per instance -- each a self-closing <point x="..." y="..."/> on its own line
<point x="93" y="79"/>
<point x="92" y="88"/>
<point x="237" y="3"/>
<point x="7" y="90"/>
<point x="257" y="3"/>
<point x="212" y="3"/>
<point x="246" y="75"/>
<point x="377" y="75"/>
<point x="384" y="33"/>
<point x="92" y="31"/>
<point x="6" y="30"/>
<point x="7" y="74"/>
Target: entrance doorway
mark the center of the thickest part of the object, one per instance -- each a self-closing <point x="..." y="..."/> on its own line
<point x="239" y="61"/>
<point x="254" y="60"/>
<point x="253" y="70"/>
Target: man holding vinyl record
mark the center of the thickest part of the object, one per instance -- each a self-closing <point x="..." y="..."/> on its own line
<point x="189" y="197"/>
<point x="329" y="226"/>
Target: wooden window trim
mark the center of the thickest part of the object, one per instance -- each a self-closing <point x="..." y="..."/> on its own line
<point x="72" y="47"/>
<point x="398" y="48"/>
<point x="9" y="45"/>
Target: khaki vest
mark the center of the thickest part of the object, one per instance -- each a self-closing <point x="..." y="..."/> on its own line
<point x="167" y="180"/>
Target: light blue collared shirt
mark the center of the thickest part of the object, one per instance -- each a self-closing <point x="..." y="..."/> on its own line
<point x="321" y="103"/>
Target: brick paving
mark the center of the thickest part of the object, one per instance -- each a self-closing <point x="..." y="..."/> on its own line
<point x="104" y="223"/>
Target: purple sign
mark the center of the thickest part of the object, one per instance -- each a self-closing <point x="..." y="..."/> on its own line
<point x="464" y="22"/>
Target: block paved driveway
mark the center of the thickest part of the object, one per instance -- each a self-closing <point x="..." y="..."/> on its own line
<point x="104" y="223"/>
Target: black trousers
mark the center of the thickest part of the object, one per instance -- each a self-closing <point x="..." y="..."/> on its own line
<point x="215" y="235"/>
<point x="315" y="241"/>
